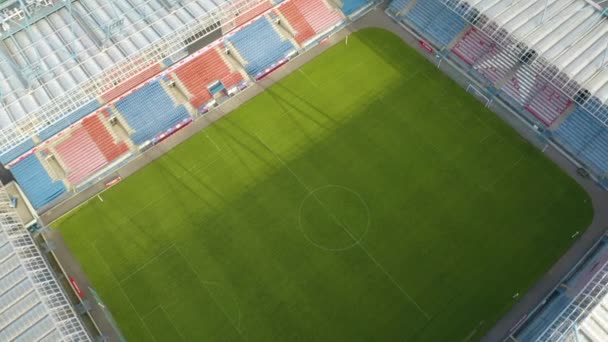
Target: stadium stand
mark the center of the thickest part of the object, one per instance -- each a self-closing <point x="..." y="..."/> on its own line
<point x="203" y="71"/>
<point x="251" y="13"/>
<point x="58" y="57"/>
<point x="293" y="14"/>
<point x="309" y="18"/>
<point x="537" y="96"/>
<point x="548" y="104"/>
<point x="104" y="140"/>
<point x="261" y="46"/>
<point x="473" y="46"/>
<point x="436" y="20"/>
<point x="66" y="121"/>
<point x="350" y="7"/>
<point x="88" y="149"/>
<point x="585" y="138"/>
<point x="16" y="151"/>
<point x="398" y="5"/>
<point x="125" y="85"/>
<point x="33" y="306"/>
<point x="576" y="310"/>
<point x="80" y="155"/>
<point x="149" y="111"/>
<point x="35" y="181"/>
<point x="495" y="65"/>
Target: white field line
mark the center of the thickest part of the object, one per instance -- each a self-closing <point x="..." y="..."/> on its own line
<point x="386" y="273"/>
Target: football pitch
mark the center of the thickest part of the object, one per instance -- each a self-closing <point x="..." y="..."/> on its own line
<point x="365" y="197"/>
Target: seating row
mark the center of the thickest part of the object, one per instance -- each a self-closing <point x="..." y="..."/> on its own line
<point x="585" y="137"/>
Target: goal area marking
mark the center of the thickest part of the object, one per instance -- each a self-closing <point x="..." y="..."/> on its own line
<point x="479" y="94"/>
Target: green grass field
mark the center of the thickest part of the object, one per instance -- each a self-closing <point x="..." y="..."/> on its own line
<point x="365" y="197"/>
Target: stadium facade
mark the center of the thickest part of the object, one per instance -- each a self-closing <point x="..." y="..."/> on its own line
<point x="88" y="85"/>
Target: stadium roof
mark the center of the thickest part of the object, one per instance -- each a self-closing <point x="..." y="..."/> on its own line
<point x="32" y="305"/>
<point x="58" y="55"/>
<point x="566" y="41"/>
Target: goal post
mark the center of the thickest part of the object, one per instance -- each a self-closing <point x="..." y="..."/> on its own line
<point x="479" y="94"/>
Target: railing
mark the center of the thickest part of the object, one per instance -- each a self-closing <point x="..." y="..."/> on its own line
<point x="165" y="47"/>
<point x="46" y="286"/>
<point x="539" y="66"/>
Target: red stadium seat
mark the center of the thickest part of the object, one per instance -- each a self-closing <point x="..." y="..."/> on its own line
<point x="206" y="69"/>
<point x="309" y="17"/>
<point x="104" y="140"/>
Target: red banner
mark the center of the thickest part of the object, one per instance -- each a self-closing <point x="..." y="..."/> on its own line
<point x="113" y="182"/>
<point x="76" y="288"/>
<point x="426" y="46"/>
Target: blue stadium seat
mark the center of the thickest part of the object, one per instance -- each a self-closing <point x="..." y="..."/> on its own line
<point x="436" y="20"/>
<point x="150" y="111"/>
<point x="586" y="137"/>
<point x="550" y="312"/>
<point x="16" y="151"/>
<point x="351" y="6"/>
<point x="260" y="45"/>
<point x="398" y="5"/>
<point x="36" y="182"/>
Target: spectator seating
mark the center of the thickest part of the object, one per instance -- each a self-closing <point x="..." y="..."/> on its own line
<point x="35" y="182"/>
<point x="249" y="14"/>
<point x="204" y="70"/>
<point x="104" y="139"/>
<point x="295" y="17"/>
<point x="595" y="106"/>
<point x="130" y="83"/>
<point x="88" y="149"/>
<point x="309" y="18"/>
<point x="80" y="155"/>
<point x="150" y="111"/>
<point x="586" y="137"/>
<point x="548" y="104"/>
<point x="398" y="5"/>
<point x="473" y="45"/>
<point x="557" y="302"/>
<point x="68" y="120"/>
<point x="520" y="86"/>
<point x="16" y="151"/>
<point x="436" y="20"/>
<point x="537" y="96"/>
<point x="496" y="64"/>
<point x="260" y="45"/>
<point x="350" y="7"/>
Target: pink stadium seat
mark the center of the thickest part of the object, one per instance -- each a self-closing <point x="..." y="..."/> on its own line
<point x="309" y="17"/>
<point x="537" y="96"/>
<point x="131" y="82"/>
<point x="318" y="14"/>
<point x="548" y="104"/>
<point x="303" y="30"/>
<point x="81" y="156"/>
<point x="104" y="140"/>
<point x="249" y="14"/>
<point x="473" y="45"/>
<point x="202" y="71"/>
